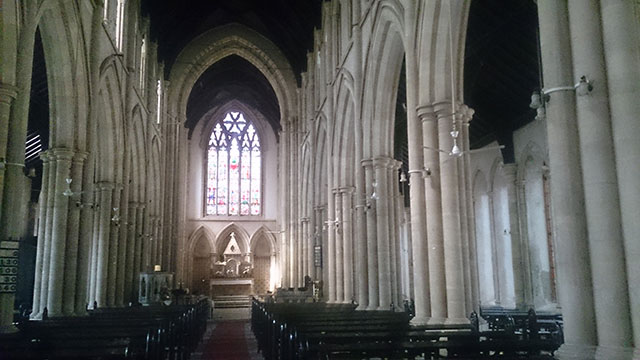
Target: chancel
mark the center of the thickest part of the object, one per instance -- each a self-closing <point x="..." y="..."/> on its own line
<point x="331" y="178"/>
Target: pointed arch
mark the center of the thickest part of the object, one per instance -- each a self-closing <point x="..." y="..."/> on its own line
<point x="223" y="41"/>
<point x="385" y="53"/>
<point x="241" y="235"/>
<point x="263" y="233"/>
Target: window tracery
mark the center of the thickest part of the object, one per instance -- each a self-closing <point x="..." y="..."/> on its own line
<point x="234" y="168"/>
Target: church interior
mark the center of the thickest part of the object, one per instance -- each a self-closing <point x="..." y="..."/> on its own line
<point x="463" y="168"/>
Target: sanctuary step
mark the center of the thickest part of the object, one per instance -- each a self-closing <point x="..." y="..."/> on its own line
<point x="232" y="301"/>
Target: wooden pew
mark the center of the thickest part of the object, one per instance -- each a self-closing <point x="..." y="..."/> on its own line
<point x="328" y="331"/>
<point x="131" y="333"/>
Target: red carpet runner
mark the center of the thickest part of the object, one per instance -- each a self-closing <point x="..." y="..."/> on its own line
<point x="227" y="342"/>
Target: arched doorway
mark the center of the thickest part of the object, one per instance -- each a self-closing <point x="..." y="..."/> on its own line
<point x="261" y="266"/>
<point x="201" y="266"/>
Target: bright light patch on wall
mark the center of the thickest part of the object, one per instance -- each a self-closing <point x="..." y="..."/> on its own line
<point x="159" y="105"/>
<point x="33" y="147"/>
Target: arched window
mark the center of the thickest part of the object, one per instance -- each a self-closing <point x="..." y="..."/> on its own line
<point x="233" y="168"/>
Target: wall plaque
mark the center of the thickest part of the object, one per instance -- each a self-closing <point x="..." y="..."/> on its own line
<point x="317" y="256"/>
<point x="8" y="265"/>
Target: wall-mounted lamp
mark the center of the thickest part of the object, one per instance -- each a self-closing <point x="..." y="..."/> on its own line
<point x="538" y="100"/>
<point x="116" y="216"/>
<point x="374" y="196"/>
<point x="403" y="177"/>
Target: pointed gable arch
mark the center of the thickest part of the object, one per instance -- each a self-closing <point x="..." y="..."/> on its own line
<point x="241" y="236"/>
<point x="263" y="233"/>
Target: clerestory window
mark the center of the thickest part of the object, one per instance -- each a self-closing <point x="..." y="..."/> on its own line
<point x="234" y="168"/>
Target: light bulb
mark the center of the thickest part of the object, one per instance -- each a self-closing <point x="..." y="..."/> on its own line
<point x="455" y="150"/>
<point x="454" y="133"/>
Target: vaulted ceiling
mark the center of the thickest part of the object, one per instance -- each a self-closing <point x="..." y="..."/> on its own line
<point x="287" y="23"/>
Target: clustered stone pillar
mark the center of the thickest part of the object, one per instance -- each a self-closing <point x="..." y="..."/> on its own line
<point x="623" y="79"/>
<point x="600" y="185"/>
<point x="395" y="219"/>
<point x="305" y="239"/>
<point x="372" y="239"/>
<point x="317" y="241"/>
<point x="59" y="256"/>
<point x="510" y="173"/>
<point x="347" y="241"/>
<point x="380" y="166"/>
<point x="434" y="244"/>
<point x="451" y="222"/>
<point x="339" y="246"/>
<point x="102" y="253"/>
<point x="567" y="195"/>
<point x="463" y="117"/>
<point x="331" y="249"/>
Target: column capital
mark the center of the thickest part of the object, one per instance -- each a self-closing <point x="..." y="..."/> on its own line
<point x="319" y="207"/>
<point x="105" y="185"/>
<point x="366" y="162"/>
<point x="335" y="191"/>
<point x="46" y="156"/>
<point x="347" y="189"/>
<point x="382" y="162"/>
<point x="510" y="171"/>
<point x="80" y="156"/>
<point x="7" y="93"/>
<point x="62" y="153"/>
<point x="426" y="113"/>
<point x="304" y="219"/>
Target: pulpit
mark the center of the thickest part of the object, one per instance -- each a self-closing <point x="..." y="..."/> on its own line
<point x="155" y="288"/>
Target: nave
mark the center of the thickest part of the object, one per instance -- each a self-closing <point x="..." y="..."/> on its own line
<point x="435" y="161"/>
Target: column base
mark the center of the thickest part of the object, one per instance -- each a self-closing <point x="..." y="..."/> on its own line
<point x="437" y="321"/>
<point x="36" y="316"/>
<point x="371" y="308"/>
<point x="614" y="353"/>
<point x="361" y="307"/>
<point x="636" y="354"/>
<point x="457" y="321"/>
<point x="575" y="352"/>
<point x="419" y="321"/>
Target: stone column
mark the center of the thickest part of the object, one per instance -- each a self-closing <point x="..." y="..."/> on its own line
<point x="372" y="238"/>
<point x="467" y="116"/>
<point x="359" y="243"/>
<point x="434" y="246"/>
<point x="394" y="231"/>
<point x="59" y="232"/>
<point x="42" y="216"/>
<point x="48" y="226"/>
<point x="95" y="234"/>
<point x="304" y="226"/>
<point x="347" y="241"/>
<point x="104" y="229"/>
<point x="7" y="94"/>
<point x="72" y="256"/>
<point x="620" y="30"/>
<point x="464" y="115"/>
<point x="510" y="173"/>
<point x="451" y="222"/>
<point x="606" y="245"/>
<point x="87" y="202"/>
<point x="317" y="240"/>
<point x="114" y="239"/>
<point x="331" y="247"/>
<point x="339" y="246"/>
<point x="567" y="195"/>
<point x="138" y="259"/>
<point x="380" y="166"/>
<point x="129" y="290"/>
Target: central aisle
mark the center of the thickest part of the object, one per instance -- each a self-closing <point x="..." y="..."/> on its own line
<point x="228" y="337"/>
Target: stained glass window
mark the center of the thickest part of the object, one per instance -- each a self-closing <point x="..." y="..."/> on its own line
<point x="233" y="168"/>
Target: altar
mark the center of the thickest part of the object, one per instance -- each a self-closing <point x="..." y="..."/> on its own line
<point x="231" y="286"/>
